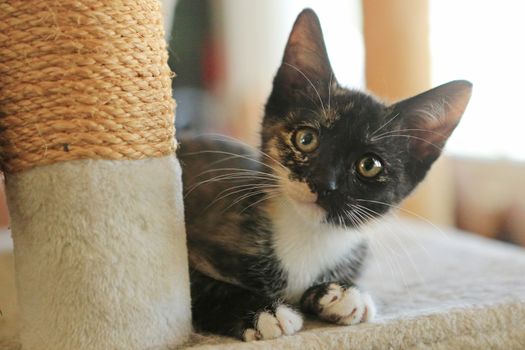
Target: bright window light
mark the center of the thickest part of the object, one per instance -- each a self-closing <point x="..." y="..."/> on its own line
<point x="342" y="29"/>
<point x="484" y="42"/>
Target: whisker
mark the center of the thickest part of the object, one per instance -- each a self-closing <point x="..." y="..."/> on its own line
<point x="231" y="191"/>
<point x="410" y="137"/>
<point x="242" y="198"/>
<point x="231" y="154"/>
<point x="398" y="220"/>
<point x="261" y="200"/>
<point x="240" y="170"/>
<point x="384" y="125"/>
<point x="360" y="223"/>
<point x="247" y="186"/>
<point x="399" y="243"/>
<point x="313" y="112"/>
<point x="395" y="263"/>
<point x="226" y="138"/>
<point x="225" y="159"/>
<point x="429" y="113"/>
<point x="403" y="130"/>
<point x="310" y="82"/>
<point x="235" y="176"/>
<point x="228" y="177"/>
<point x="246" y="196"/>
<point x="330" y="88"/>
<point x="391" y="263"/>
<point x="351" y="216"/>
<point x="406" y="211"/>
<point x="340" y="219"/>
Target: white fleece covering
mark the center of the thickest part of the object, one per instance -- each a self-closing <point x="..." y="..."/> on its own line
<point x="435" y="289"/>
<point x="100" y="255"/>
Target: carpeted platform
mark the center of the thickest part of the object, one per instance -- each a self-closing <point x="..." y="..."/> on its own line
<point x="435" y="289"/>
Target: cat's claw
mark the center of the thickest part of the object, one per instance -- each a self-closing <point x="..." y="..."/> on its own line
<point x="346" y="306"/>
<point x="285" y="321"/>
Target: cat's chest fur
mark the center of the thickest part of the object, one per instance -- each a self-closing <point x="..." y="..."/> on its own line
<point x="308" y="250"/>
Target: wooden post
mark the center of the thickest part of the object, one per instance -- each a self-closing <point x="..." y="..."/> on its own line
<point x="397" y="67"/>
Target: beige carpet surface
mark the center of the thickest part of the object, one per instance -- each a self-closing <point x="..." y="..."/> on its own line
<point x="435" y="289"/>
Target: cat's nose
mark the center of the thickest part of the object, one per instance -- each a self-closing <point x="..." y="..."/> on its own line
<point x="331" y="185"/>
<point x="328" y="187"/>
<point x="329" y="195"/>
<point x="326" y="180"/>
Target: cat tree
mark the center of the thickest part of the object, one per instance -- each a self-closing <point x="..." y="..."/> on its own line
<point x="93" y="187"/>
<point x="86" y="143"/>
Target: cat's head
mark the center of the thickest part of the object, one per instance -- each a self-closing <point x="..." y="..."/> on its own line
<point x="343" y="153"/>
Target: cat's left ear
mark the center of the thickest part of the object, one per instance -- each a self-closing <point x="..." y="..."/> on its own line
<point x="428" y="119"/>
<point x="305" y="64"/>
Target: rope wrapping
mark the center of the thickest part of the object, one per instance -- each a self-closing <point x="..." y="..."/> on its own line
<point x="83" y="79"/>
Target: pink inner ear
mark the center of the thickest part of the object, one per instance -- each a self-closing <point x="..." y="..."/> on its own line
<point x="433" y="115"/>
<point x="444" y="112"/>
<point x="305" y="50"/>
<point x="306" y="30"/>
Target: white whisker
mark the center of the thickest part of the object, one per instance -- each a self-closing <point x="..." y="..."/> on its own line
<point x="310" y="82"/>
<point x="410" y="137"/>
<point x="240" y="170"/>
<point x="235" y="190"/>
<point x="224" y="177"/>
<point x="406" y="211"/>
<point x="230" y="154"/>
<point x="404" y="130"/>
<point x="366" y="211"/>
<point x="330" y="90"/>
<point x="385" y="124"/>
<point x="225" y="138"/>
<point x="261" y="200"/>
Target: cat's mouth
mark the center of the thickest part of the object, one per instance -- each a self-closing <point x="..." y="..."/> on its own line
<point x="308" y="208"/>
<point x="317" y="209"/>
<point x="303" y="198"/>
<point x="304" y="201"/>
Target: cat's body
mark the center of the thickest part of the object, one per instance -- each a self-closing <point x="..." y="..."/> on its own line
<point x="269" y="250"/>
<point x="278" y="228"/>
<point x="271" y="246"/>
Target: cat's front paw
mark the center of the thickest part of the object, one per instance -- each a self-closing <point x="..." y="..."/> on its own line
<point x="270" y="325"/>
<point x="344" y="306"/>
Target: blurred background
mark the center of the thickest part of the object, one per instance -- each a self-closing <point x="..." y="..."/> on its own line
<point x="226" y="52"/>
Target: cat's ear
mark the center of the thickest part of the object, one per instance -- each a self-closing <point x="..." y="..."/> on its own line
<point x="428" y="119"/>
<point x="305" y="64"/>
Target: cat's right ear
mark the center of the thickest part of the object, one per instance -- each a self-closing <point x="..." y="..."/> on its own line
<point x="305" y="67"/>
<point x="428" y="119"/>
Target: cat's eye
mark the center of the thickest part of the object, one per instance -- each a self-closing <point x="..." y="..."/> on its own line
<point x="306" y="140"/>
<point x="369" y="166"/>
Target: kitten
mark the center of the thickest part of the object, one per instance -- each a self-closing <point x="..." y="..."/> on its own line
<point x="275" y="231"/>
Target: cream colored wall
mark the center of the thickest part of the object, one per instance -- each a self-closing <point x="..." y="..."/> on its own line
<point x="168" y="11"/>
<point x="4" y="215"/>
<point x="398" y="66"/>
<point x="253" y="35"/>
<point x="491" y="198"/>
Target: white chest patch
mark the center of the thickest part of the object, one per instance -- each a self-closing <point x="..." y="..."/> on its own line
<point x="305" y="247"/>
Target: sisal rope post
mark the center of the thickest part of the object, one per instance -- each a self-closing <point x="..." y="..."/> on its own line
<point x="83" y="79"/>
<point x="93" y="185"/>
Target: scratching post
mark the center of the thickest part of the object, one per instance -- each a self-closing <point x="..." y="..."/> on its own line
<point x="93" y="186"/>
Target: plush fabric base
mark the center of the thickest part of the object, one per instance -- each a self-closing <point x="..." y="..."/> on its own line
<point x="100" y="255"/>
<point x="435" y="289"/>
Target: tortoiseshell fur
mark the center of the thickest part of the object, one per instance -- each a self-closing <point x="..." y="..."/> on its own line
<point x="275" y="232"/>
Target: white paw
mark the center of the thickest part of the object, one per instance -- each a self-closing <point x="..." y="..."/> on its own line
<point x="290" y="320"/>
<point x="346" y="306"/>
<point x="286" y="321"/>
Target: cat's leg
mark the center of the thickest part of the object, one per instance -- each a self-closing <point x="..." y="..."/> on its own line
<point x="226" y="309"/>
<point x="339" y="303"/>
